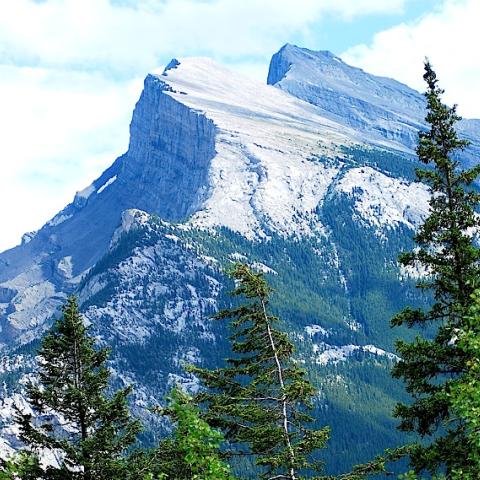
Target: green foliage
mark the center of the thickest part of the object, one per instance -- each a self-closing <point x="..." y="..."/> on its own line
<point x="411" y="475"/>
<point x="465" y="392"/>
<point x="24" y="466"/>
<point x="391" y="163"/>
<point x="261" y="398"/>
<point x="195" y="444"/>
<point x="191" y="452"/>
<point x="73" y="415"/>
<point x="446" y="251"/>
<point x="377" y="466"/>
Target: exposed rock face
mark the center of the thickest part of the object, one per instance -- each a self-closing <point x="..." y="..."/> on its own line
<point x="378" y="106"/>
<point x="367" y="103"/>
<point x="169" y="156"/>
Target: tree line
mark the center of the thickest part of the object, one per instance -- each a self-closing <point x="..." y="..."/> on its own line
<point x="258" y="405"/>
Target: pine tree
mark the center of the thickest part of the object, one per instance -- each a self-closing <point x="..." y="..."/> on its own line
<point x="260" y="400"/>
<point x="447" y="253"/>
<point x="464" y="394"/>
<point x="74" y="417"/>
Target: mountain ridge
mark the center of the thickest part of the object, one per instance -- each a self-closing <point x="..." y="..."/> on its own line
<point x="200" y="148"/>
<point x="376" y="105"/>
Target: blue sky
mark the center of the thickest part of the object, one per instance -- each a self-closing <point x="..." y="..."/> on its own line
<point x="337" y="33"/>
<point x="72" y="70"/>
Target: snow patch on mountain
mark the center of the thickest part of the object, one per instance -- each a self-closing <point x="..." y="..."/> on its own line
<point x="325" y="354"/>
<point x="384" y="201"/>
<point x="265" y="141"/>
<point x="107" y="184"/>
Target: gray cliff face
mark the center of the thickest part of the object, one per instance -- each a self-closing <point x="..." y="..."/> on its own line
<point x="280" y="64"/>
<point x="169" y="155"/>
<point x="164" y="172"/>
<point x="377" y="106"/>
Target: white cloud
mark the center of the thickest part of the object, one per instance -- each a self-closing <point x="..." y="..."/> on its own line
<point x="59" y="130"/>
<point x="71" y="71"/>
<point x="449" y="37"/>
<point x="122" y="38"/>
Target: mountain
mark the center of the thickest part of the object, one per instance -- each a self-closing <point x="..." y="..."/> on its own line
<point x="310" y="178"/>
<point x="381" y="107"/>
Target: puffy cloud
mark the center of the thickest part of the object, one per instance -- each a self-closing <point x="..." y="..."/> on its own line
<point x="124" y="36"/>
<point x="59" y="130"/>
<point x="448" y="36"/>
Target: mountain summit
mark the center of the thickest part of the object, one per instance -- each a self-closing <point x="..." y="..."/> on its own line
<point x="207" y="146"/>
<point x="386" y="110"/>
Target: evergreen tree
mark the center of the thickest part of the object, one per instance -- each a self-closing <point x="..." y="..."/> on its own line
<point x="74" y="417"/>
<point x="260" y="400"/>
<point x="447" y="253"/>
<point x="464" y="394"/>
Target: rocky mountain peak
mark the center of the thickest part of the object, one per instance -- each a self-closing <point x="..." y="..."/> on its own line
<point x="292" y="56"/>
<point x="383" y="109"/>
<point x="212" y="148"/>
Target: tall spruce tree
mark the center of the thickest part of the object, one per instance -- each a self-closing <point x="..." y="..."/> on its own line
<point x="89" y="430"/>
<point x="446" y="252"/>
<point x="465" y="399"/>
<point x="260" y="400"/>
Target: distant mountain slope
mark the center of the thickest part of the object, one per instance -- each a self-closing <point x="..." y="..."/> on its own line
<point x="206" y="145"/>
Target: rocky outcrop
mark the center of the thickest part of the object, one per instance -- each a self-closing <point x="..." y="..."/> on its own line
<point x="169" y="156"/>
